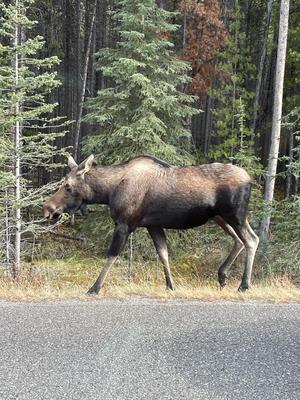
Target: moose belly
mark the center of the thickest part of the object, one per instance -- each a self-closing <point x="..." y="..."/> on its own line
<point x="171" y="217"/>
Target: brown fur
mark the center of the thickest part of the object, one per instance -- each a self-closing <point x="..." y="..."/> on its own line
<point x="150" y="193"/>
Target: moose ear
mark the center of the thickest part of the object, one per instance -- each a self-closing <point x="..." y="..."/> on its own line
<point x="85" y="166"/>
<point x="71" y="162"/>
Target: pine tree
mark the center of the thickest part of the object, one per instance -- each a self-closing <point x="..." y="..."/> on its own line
<point x="142" y="111"/>
<point x="27" y="133"/>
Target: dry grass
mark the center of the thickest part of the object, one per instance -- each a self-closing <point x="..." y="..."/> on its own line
<point x="69" y="279"/>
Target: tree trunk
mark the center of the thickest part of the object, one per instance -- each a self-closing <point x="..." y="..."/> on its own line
<point x="78" y="55"/>
<point x="207" y="125"/>
<point x="236" y="43"/>
<point x="266" y="103"/>
<point x="84" y="79"/>
<point x="101" y="41"/>
<point x="261" y="65"/>
<point x="17" y="139"/>
<point x="277" y="112"/>
<point x="69" y="72"/>
<point x="289" y="176"/>
<point x="7" y="231"/>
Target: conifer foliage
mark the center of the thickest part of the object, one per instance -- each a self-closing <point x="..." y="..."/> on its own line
<point x="236" y="69"/>
<point x="142" y="110"/>
<point x="27" y="134"/>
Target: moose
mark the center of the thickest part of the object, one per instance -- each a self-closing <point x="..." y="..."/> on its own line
<point x="147" y="192"/>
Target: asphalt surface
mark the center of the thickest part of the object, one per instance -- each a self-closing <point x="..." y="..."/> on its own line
<point x="146" y="349"/>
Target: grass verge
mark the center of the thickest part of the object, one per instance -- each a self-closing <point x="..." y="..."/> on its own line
<point x="70" y="279"/>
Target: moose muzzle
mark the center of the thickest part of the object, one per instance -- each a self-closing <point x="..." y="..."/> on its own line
<point x="51" y="212"/>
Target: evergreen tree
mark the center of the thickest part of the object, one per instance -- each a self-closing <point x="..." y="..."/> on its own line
<point x="143" y="110"/>
<point x="292" y="74"/>
<point x="27" y="133"/>
<point x="236" y="70"/>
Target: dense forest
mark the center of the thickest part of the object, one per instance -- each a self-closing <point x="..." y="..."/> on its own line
<point x="188" y="81"/>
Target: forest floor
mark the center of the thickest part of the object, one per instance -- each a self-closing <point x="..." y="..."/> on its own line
<point x="70" y="279"/>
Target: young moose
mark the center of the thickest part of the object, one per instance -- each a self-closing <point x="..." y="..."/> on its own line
<point x="147" y="192"/>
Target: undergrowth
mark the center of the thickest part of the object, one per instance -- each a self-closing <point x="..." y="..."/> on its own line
<point x="65" y="264"/>
<point x="195" y="277"/>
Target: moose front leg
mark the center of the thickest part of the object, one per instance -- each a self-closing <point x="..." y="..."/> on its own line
<point x="159" y="238"/>
<point x="118" y="242"/>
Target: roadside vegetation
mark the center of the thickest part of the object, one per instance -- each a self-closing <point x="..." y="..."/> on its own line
<point x="71" y="277"/>
<point x="63" y="266"/>
<point x="191" y="82"/>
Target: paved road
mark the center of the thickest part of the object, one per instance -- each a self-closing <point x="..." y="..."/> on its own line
<point x="142" y="349"/>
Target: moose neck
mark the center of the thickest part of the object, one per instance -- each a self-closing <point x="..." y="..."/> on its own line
<point x="102" y="182"/>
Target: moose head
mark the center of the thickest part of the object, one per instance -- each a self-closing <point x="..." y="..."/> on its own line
<point x="74" y="191"/>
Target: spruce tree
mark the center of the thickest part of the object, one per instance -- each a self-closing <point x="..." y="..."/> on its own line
<point x="236" y="70"/>
<point x="27" y="133"/>
<point x="142" y="110"/>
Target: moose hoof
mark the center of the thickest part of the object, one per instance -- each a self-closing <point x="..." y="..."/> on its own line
<point x="169" y="285"/>
<point x="92" y="292"/>
<point x="170" y="288"/>
<point x="222" y="280"/>
<point x="243" y="288"/>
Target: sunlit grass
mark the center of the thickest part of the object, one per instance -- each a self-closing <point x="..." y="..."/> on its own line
<point x="70" y="279"/>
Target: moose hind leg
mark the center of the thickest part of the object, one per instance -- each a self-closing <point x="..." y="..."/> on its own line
<point x="250" y="240"/>
<point x="158" y="236"/>
<point x="119" y="240"/>
<point x="238" y="247"/>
